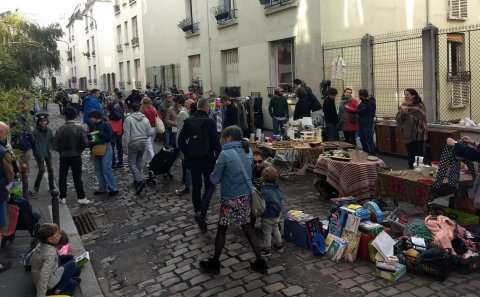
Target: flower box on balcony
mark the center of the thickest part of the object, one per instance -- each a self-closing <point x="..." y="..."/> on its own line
<point x="222" y="16"/>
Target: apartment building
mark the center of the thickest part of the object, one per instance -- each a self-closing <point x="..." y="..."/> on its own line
<point x="92" y="52"/>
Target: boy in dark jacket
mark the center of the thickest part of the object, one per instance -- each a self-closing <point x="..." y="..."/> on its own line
<point x="273" y="197"/>
<point x="42" y="145"/>
<point x="366" y="114"/>
<point x="331" y="115"/>
<point x="278" y="110"/>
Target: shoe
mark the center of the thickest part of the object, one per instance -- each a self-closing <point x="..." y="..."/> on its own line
<point x="265" y="252"/>
<point x="112" y="193"/>
<point x="84" y="201"/>
<point x="63" y="201"/>
<point x="210" y="266"/>
<point x="96" y="193"/>
<point x="259" y="266"/>
<point x="200" y="218"/>
<point x="182" y="191"/>
<point x="140" y="188"/>
<point x="77" y="279"/>
<point x="4" y="266"/>
<point x="136" y="184"/>
<point x="279" y="248"/>
<point x="120" y="165"/>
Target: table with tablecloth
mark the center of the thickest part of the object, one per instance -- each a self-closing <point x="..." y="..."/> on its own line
<point x="355" y="178"/>
<point x="412" y="187"/>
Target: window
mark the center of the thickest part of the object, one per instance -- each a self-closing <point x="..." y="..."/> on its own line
<point x="230" y="64"/>
<point x="93" y="45"/>
<point x="229" y="4"/>
<point x="95" y="72"/>
<point x="88" y="45"/>
<point x="457" y="10"/>
<point x="282" y="63"/>
<point x="191" y="9"/>
<point x="125" y="27"/>
<point x="73" y="53"/>
<point x="170" y="75"/>
<point x="119" y="34"/>
<point x="120" y="71"/>
<point x="129" y="78"/>
<point x="134" y="27"/>
<point x="90" y="73"/>
<point x="136" y="65"/>
<point x="195" y="70"/>
<point x="456" y="53"/>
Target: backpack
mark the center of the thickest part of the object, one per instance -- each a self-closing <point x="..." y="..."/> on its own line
<point x="199" y="140"/>
<point x="22" y="141"/>
<point x="27" y="258"/>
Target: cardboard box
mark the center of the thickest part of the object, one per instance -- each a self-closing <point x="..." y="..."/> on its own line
<point x="335" y="247"/>
<point x="400" y="271"/>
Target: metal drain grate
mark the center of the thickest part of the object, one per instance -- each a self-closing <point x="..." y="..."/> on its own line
<point x="84" y="223"/>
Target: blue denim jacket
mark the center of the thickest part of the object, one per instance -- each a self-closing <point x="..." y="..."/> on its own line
<point x="273" y="197"/>
<point x="228" y="171"/>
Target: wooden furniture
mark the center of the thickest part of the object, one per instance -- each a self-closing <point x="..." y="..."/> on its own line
<point x="389" y="140"/>
<point x="437" y="139"/>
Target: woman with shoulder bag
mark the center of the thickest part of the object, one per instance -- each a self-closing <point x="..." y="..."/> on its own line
<point x="347" y="117"/>
<point x="234" y="169"/>
<point x="102" y="136"/>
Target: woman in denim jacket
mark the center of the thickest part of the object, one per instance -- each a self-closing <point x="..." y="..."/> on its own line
<point x="234" y="169"/>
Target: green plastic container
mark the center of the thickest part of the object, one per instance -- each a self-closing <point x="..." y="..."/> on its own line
<point x="460" y="217"/>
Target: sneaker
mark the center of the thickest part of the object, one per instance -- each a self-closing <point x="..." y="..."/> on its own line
<point x="84" y="201"/>
<point x="259" y="266"/>
<point x="279" y="248"/>
<point x="63" y="200"/>
<point x="96" y="193"/>
<point x="182" y="191"/>
<point x="140" y="188"/>
<point x="265" y="252"/>
<point x="112" y="193"/>
<point x="210" y="266"/>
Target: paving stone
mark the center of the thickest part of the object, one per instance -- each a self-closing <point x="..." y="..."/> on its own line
<point x="211" y="292"/>
<point x="247" y="256"/>
<point x="346" y="283"/>
<point x="347" y="274"/>
<point x="328" y="270"/>
<point x="142" y="285"/>
<point x="273" y="278"/>
<point x="405" y="294"/>
<point x="240" y="274"/>
<point x="389" y="291"/>
<point x="153" y="288"/>
<point x="254" y="285"/>
<point x="237" y="291"/>
<point x="167" y="283"/>
<point x="178" y="287"/>
<point x="405" y="286"/>
<point x="255" y="293"/>
<point x="292" y="290"/>
<point x="422" y="291"/>
<point x="372" y="286"/>
<point x="195" y="291"/>
<point x="216" y="282"/>
<point x="274" y="287"/>
<point x="200" y="279"/>
<point x="241" y="265"/>
<point x="229" y="262"/>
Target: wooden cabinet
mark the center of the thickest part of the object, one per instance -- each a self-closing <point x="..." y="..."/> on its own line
<point x="389" y="140"/>
<point x="437" y="139"/>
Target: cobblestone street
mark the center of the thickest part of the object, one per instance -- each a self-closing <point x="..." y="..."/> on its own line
<point x="150" y="245"/>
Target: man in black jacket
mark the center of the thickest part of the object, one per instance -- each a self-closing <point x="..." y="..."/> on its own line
<point x="312" y="99"/>
<point x="199" y="142"/>
<point x="331" y="116"/>
<point x="231" y="112"/>
<point x="366" y="114"/>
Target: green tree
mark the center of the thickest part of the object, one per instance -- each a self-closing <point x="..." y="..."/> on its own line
<point x="26" y="50"/>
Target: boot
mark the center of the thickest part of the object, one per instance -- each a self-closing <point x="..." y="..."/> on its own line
<point x="210" y="266"/>
<point x="259" y="266"/>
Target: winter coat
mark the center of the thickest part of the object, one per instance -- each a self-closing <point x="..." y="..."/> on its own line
<point x="70" y="140"/>
<point x="90" y="104"/>
<point x="330" y="111"/>
<point x="366" y="112"/>
<point x="42" y="142"/>
<point x="46" y="272"/>
<point x="302" y="108"/>
<point x="104" y="131"/>
<point x="136" y="127"/>
<point x="273" y="197"/>
<point x="346" y="115"/>
<point x="278" y="107"/>
<point x="6" y="171"/>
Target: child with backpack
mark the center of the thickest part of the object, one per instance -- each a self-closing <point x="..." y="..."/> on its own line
<point x="42" y="146"/>
<point x="273" y="197"/>
<point x="48" y="276"/>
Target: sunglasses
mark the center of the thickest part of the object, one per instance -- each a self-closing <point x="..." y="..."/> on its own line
<point x="258" y="162"/>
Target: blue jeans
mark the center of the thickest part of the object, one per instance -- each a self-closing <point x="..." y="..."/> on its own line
<point x="278" y="125"/>
<point x="135" y="159"/>
<point x="104" y="172"/>
<point x="66" y="283"/>
<point x="366" y="138"/>
<point x="117" y="142"/>
<point x="170" y="138"/>
<point x="332" y="132"/>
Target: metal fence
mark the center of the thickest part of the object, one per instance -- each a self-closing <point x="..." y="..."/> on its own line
<point x="350" y="52"/>
<point x="397" y="65"/>
<point x="458" y="73"/>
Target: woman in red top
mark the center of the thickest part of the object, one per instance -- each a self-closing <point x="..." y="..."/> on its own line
<point x="150" y="113"/>
<point x="348" y="120"/>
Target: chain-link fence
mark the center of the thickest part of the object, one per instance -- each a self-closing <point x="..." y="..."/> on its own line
<point x="458" y="73"/>
<point x="350" y="52"/>
<point x="397" y="65"/>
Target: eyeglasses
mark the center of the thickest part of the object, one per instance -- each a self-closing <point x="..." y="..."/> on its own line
<point x="257" y="161"/>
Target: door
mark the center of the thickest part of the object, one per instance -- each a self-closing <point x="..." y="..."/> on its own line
<point x="383" y="138"/>
<point x="398" y="143"/>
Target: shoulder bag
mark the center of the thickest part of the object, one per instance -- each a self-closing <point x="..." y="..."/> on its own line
<point x="258" y="204"/>
<point x="99" y="150"/>
<point x="159" y="126"/>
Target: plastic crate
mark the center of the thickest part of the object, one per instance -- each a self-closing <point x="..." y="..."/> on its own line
<point x="437" y="267"/>
<point x="460" y="217"/>
<point x="400" y="217"/>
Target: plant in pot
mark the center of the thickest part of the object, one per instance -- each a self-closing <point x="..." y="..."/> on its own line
<point x="263" y="2"/>
<point x="219" y="12"/>
<point x="185" y="24"/>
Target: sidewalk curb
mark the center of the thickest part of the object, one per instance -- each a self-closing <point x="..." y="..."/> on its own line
<point x="89" y="285"/>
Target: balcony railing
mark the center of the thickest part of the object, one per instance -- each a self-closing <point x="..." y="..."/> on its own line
<point x="73" y="38"/>
<point x="91" y="25"/>
<point x="119" y="48"/>
<point x="116" y="8"/>
<point x="459" y="76"/>
<point x="86" y="29"/>
<point x="93" y="54"/>
<point x="191" y="28"/>
<point x="95" y="81"/>
<point x="132" y="1"/>
<point x="275" y="3"/>
<point x="138" y="84"/>
<point x="90" y="81"/>
<point x="121" y="84"/>
<point x="135" y="41"/>
<point x="226" y="16"/>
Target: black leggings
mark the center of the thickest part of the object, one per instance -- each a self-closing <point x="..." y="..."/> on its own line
<point x="414" y="148"/>
<point x="249" y="231"/>
<point x="350" y="137"/>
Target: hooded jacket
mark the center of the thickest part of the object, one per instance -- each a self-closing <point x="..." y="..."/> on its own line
<point x="136" y="128"/>
<point x="42" y="142"/>
<point x="90" y="104"/>
<point x="46" y="273"/>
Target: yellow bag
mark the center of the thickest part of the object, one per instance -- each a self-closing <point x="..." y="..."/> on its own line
<point x="99" y="150"/>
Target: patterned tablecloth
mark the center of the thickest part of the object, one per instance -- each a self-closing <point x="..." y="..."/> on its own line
<point x="407" y="185"/>
<point x="354" y="178"/>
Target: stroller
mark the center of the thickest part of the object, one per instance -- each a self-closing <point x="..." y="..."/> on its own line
<point x="161" y="164"/>
<point x="27" y="219"/>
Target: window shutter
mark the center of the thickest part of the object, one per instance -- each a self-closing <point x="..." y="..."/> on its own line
<point x="460" y="94"/>
<point x="457" y="10"/>
<point x="231" y="67"/>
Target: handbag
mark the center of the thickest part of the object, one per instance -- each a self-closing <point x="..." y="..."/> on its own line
<point x="117" y="127"/>
<point x="159" y="126"/>
<point x="99" y="150"/>
<point x="258" y="203"/>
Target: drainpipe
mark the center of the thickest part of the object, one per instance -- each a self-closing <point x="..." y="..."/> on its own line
<point x="428" y="12"/>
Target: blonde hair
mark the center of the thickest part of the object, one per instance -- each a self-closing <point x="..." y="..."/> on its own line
<point x="146" y="103"/>
<point x="269" y="174"/>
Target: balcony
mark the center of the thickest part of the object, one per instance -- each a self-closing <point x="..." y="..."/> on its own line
<point x="90" y="81"/>
<point x="116" y="9"/>
<point x="138" y="84"/>
<point x="272" y="6"/>
<point x="135" y="42"/>
<point x="86" y="29"/>
<point x="121" y="84"/>
<point x="188" y="26"/>
<point x="91" y="25"/>
<point x="132" y="1"/>
<point x="95" y="81"/>
<point x="226" y="17"/>
<point x="119" y="48"/>
<point x="73" y="38"/>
